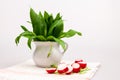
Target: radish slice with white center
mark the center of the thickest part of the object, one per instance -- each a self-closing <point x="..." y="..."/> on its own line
<point x="70" y="69"/>
<point x="76" y="67"/>
<point x="82" y="65"/>
<point x="62" y="68"/>
<point x="51" y="70"/>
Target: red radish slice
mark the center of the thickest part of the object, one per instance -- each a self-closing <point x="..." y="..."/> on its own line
<point x="82" y="65"/>
<point x="78" y="60"/>
<point x="70" y="69"/>
<point x="76" y="67"/>
<point x="51" y="70"/>
<point x="62" y="68"/>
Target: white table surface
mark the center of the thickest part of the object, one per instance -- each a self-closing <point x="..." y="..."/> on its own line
<point x="28" y="71"/>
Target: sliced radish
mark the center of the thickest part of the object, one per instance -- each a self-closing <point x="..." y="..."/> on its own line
<point x="70" y="69"/>
<point x="62" y="68"/>
<point x="78" y="60"/>
<point x="76" y="67"/>
<point x="51" y="70"/>
<point x="82" y="65"/>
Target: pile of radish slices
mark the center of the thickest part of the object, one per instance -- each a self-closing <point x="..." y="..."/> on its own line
<point x="64" y="68"/>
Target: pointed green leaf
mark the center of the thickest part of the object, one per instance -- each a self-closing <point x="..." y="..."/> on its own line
<point x="50" y="19"/>
<point x="55" y="24"/>
<point x="26" y="34"/>
<point x="46" y="15"/>
<point x="57" y="17"/>
<point x="58" y="30"/>
<point x="24" y="28"/>
<point x="43" y="25"/>
<point x="41" y="16"/>
<point x="29" y="42"/>
<point x="71" y="33"/>
<point x="17" y="39"/>
<point x="35" y="21"/>
<point x="50" y="38"/>
<point x="41" y="38"/>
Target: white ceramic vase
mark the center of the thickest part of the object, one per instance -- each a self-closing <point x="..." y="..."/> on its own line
<point x="47" y="53"/>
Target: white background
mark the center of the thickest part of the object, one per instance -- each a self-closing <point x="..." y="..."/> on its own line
<point x="98" y="20"/>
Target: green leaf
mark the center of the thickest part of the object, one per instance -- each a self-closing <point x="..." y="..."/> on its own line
<point x="57" y="23"/>
<point x="62" y="35"/>
<point x="46" y="15"/>
<point x="29" y="42"/>
<point x="41" y="38"/>
<point x="58" y="30"/>
<point x="24" y="28"/>
<point x="43" y="24"/>
<point x="17" y="39"/>
<point x="50" y="22"/>
<point x="38" y="23"/>
<point x="35" y="21"/>
<point x="70" y="33"/>
<point x="41" y="16"/>
<point x="61" y="42"/>
<point x="57" y="17"/>
<point x="50" y="38"/>
<point x="26" y="34"/>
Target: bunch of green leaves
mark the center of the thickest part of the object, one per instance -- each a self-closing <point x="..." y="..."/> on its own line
<point x="46" y="28"/>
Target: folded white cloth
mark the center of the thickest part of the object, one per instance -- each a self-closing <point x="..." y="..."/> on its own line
<point x="28" y="71"/>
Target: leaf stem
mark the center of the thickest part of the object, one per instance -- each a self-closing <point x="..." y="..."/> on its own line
<point x="49" y="53"/>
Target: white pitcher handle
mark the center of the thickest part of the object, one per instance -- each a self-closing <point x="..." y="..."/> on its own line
<point x="65" y="48"/>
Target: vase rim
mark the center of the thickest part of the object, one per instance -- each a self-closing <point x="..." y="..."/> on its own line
<point x="45" y="42"/>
